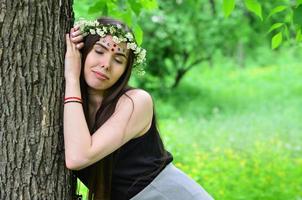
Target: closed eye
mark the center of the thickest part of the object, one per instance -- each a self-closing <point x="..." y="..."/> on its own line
<point x="98" y="51"/>
<point x="118" y="61"/>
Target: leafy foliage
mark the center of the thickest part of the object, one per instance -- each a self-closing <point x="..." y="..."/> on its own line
<point x="228" y="7"/>
<point x="255" y="7"/>
<point x="125" y="10"/>
<point x="292" y="18"/>
<point x="276" y="40"/>
<point x="180" y="35"/>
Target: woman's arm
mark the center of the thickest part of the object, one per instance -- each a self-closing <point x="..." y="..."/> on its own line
<point x="128" y="120"/>
<point x="76" y="133"/>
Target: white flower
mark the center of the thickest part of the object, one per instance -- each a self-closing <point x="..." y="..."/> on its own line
<point x="138" y="49"/>
<point x="112" y="30"/>
<point x="129" y="36"/>
<point x="92" y="31"/>
<point x="105" y="29"/>
<point x="123" y="39"/>
<point x="143" y="53"/>
<point x="119" y="26"/>
<point x="115" y="39"/>
<point x="81" y="23"/>
<point x="92" y="23"/>
<point x="141" y="57"/>
<point x="131" y="46"/>
<point x="100" y="32"/>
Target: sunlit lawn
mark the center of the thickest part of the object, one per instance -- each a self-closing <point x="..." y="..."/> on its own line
<point x="238" y="131"/>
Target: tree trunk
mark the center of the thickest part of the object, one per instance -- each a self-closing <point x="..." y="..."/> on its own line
<point x="179" y="74"/>
<point x="32" y="48"/>
<point x="182" y="71"/>
<point x="213" y="7"/>
<point x="240" y="54"/>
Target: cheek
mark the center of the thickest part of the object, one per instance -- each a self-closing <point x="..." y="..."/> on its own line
<point x="117" y="75"/>
<point x="86" y="67"/>
<point x="89" y="59"/>
<point x="121" y="70"/>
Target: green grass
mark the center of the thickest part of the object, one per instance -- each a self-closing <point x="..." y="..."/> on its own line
<point x="238" y="131"/>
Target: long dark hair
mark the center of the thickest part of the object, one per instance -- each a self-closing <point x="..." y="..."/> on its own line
<point x="97" y="177"/>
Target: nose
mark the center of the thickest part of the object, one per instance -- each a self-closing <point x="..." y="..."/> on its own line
<point x="105" y="66"/>
<point x="105" y="62"/>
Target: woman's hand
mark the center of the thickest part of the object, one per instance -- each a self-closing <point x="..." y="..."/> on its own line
<point x="72" y="61"/>
<point x="76" y="37"/>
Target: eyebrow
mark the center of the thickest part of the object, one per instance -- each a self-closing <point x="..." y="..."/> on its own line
<point x="117" y="53"/>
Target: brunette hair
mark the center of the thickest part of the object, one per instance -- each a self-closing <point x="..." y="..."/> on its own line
<point x="97" y="177"/>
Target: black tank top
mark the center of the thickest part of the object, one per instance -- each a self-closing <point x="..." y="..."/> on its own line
<point x="137" y="163"/>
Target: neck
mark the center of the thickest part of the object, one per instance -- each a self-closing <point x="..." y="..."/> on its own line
<point x="94" y="99"/>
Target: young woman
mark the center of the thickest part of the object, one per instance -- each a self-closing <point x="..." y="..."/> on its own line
<point x="110" y="135"/>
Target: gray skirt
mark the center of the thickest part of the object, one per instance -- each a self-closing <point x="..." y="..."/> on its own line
<point x="172" y="184"/>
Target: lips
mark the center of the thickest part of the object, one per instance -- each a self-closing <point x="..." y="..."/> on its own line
<point x="100" y="75"/>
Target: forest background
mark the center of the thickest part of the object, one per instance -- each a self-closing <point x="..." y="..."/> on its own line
<point x="226" y="82"/>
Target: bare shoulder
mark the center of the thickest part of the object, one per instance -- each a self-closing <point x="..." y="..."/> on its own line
<point x="138" y="97"/>
<point x="139" y="103"/>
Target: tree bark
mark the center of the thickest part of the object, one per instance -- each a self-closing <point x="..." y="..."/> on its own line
<point x="32" y="47"/>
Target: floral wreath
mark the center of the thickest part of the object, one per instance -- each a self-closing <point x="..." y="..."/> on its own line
<point x="118" y="35"/>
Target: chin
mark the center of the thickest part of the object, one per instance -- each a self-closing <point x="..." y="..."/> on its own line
<point x="96" y="85"/>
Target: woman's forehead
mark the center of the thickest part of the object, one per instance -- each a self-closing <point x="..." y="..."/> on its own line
<point x="108" y="43"/>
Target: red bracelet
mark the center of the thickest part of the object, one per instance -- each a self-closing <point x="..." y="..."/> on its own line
<point x="77" y="98"/>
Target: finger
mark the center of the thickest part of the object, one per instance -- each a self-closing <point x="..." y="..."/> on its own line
<point x="76" y="33"/>
<point x="71" y="32"/>
<point x="67" y="41"/>
<point x="70" y="45"/>
<point x="77" y="39"/>
<point x="80" y="45"/>
<point x="76" y="27"/>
